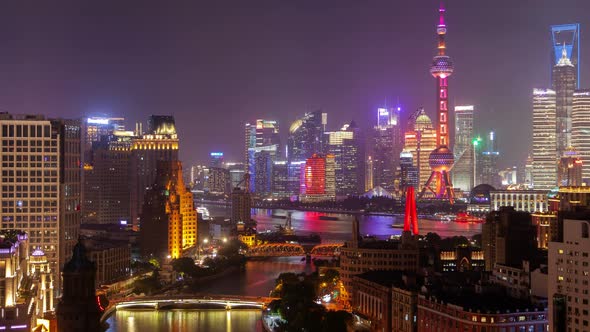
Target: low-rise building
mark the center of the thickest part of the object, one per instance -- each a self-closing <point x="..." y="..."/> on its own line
<point x="361" y="255"/>
<point x="522" y="200"/>
<point x="112" y="259"/>
<point x="451" y="311"/>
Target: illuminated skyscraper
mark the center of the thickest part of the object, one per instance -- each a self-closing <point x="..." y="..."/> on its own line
<point x="159" y="144"/>
<point x="94" y="129"/>
<point x="544" y="141"/>
<point x="580" y="132"/>
<point x="318" y="179"/>
<point x="567" y="35"/>
<point x="408" y="172"/>
<point x="369" y="173"/>
<point x="420" y="140"/>
<point x="41" y="185"/>
<point x="216" y="159"/>
<point x="463" y="148"/>
<point x="169" y="217"/>
<point x="564" y="83"/>
<point x="487" y="163"/>
<point x="306" y="136"/>
<point x="569" y="172"/>
<point x="385" y="146"/>
<point x="262" y="133"/>
<point x="441" y="159"/>
<point x="347" y="147"/>
<point x="260" y="169"/>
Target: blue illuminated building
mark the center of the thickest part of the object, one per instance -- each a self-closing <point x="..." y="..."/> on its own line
<point x="567" y="35"/>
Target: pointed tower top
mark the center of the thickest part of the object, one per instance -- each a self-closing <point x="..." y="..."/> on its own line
<point x="564" y="61"/>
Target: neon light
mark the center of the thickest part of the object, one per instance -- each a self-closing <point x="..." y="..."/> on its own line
<point x="216" y="154"/>
<point x="383" y="111"/>
<point x="464" y="108"/>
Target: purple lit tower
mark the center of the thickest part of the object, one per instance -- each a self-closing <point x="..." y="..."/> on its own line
<point x="441" y="159"/>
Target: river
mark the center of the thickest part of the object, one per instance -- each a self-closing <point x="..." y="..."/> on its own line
<point x="258" y="277"/>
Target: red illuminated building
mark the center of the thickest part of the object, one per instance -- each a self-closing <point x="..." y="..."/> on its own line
<point x="315" y="175"/>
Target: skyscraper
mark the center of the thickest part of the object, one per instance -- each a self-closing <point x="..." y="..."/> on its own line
<point x="318" y="179"/>
<point x="306" y="136"/>
<point x="408" y="172"/>
<point x="564" y="83"/>
<point x="169" y="217"/>
<point x="544" y="140"/>
<point x="106" y="181"/>
<point x="567" y="35"/>
<point x="261" y="133"/>
<point x="463" y="148"/>
<point x="569" y="171"/>
<point x="420" y="140"/>
<point x="441" y="159"/>
<point x="487" y="164"/>
<point x="95" y="128"/>
<point x="260" y="168"/>
<point x="41" y="184"/>
<point x="347" y="147"/>
<point x="580" y="132"/>
<point x="386" y="144"/>
<point x="159" y="144"/>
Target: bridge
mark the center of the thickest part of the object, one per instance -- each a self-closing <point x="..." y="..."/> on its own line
<point x="165" y="302"/>
<point x="294" y="249"/>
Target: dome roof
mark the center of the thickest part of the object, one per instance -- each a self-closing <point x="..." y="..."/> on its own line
<point x="422" y="122"/>
<point x="480" y="194"/>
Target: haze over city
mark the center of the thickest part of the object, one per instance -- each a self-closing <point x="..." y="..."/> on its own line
<point x="217" y="65"/>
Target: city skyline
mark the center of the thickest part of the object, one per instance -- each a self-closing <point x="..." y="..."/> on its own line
<point x="212" y="63"/>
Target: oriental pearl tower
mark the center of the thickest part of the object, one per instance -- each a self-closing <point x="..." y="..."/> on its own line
<point x="441" y="159"/>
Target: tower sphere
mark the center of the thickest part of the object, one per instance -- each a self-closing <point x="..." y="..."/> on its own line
<point x="441" y="65"/>
<point x="441" y="159"/>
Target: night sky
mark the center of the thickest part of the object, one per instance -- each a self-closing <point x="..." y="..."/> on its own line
<point x="217" y="64"/>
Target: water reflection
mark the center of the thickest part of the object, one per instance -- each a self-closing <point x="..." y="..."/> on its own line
<point x="185" y="320"/>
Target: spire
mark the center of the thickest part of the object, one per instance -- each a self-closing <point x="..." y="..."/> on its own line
<point x="564" y="61"/>
<point x="441" y="12"/>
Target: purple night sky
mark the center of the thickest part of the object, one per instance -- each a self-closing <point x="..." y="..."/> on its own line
<point x="216" y="64"/>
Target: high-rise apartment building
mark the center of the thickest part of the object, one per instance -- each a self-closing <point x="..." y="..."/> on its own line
<point x="463" y="148"/>
<point x="544" y="140"/>
<point x="569" y="276"/>
<point x="580" y="132"/>
<point x="347" y="147"/>
<point x="40" y="183"/>
<point x="306" y="136"/>
<point x="159" y="144"/>
<point x="169" y="217"/>
<point x="564" y="83"/>
<point x="385" y="146"/>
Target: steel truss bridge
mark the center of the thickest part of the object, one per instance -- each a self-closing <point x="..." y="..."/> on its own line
<point x="294" y="249"/>
<point x="164" y="302"/>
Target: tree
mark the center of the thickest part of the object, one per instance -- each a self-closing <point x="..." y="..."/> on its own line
<point x="432" y="238"/>
<point x="184" y="266"/>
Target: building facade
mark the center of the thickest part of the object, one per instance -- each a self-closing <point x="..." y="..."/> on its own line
<point x="347" y="146"/>
<point x="385" y="145"/>
<point x="169" y="216"/>
<point x="306" y="136"/>
<point x="420" y="140"/>
<point x="159" y="144"/>
<point x="522" y="200"/>
<point x="580" y="133"/>
<point x="569" y="277"/>
<point x="544" y="140"/>
<point x="463" y="148"/>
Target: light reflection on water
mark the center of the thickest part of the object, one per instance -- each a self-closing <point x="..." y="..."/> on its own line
<point x="258" y="277"/>
<point x="185" y="320"/>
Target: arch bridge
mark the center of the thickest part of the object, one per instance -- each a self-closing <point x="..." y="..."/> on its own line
<point x="294" y="249"/>
<point x="165" y="302"/>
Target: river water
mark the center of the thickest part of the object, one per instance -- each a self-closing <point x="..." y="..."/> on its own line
<point x="258" y="277"/>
